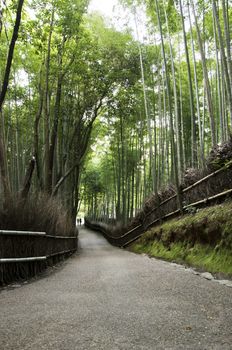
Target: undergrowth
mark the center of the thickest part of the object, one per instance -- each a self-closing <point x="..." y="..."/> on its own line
<point x="203" y="240"/>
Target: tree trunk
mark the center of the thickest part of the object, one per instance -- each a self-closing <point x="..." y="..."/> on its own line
<point x="36" y="136"/>
<point x="224" y="60"/>
<point x="206" y="79"/>
<point x="146" y="107"/>
<point x="177" y="116"/>
<point x="47" y="176"/>
<point x="27" y="180"/>
<point x="3" y="161"/>
<point x="173" y="146"/>
<point x="191" y="96"/>
<point x="227" y="36"/>
<point x="201" y="139"/>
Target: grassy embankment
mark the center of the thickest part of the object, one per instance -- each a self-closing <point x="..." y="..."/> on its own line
<point x="202" y="240"/>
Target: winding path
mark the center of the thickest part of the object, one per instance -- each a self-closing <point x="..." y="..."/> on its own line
<point x="111" y="299"/>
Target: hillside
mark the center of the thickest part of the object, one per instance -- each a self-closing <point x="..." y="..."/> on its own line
<point x="202" y="239"/>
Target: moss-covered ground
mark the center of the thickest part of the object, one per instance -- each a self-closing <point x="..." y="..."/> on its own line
<point x="202" y="240"/>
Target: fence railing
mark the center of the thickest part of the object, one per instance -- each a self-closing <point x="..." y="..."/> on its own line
<point x="218" y="187"/>
<point x="23" y="253"/>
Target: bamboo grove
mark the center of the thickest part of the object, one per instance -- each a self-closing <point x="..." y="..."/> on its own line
<point x="174" y="114"/>
<point x="59" y="66"/>
<point x="100" y="118"/>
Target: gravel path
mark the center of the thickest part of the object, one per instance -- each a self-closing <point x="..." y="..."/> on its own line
<point x="111" y="299"/>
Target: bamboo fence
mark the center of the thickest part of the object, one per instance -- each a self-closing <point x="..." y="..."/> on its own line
<point x="213" y="188"/>
<point x="24" y="254"/>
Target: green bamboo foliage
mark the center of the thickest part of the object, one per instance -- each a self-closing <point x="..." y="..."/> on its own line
<point x="185" y="85"/>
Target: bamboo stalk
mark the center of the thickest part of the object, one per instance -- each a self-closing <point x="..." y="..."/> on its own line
<point x="60" y="237"/>
<point x="222" y="194"/>
<point x="132" y="240"/>
<point x="18" y="260"/>
<point x="21" y="233"/>
<point x="132" y="230"/>
<point x="35" y="258"/>
<point x="161" y="204"/>
<point x="208" y="177"/>
<point x="61" y="253"/>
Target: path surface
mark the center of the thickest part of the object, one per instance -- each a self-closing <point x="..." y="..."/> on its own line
<point x="107" y="298"/>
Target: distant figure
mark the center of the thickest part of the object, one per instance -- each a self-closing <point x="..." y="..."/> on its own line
<point x="80" y="222"/>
